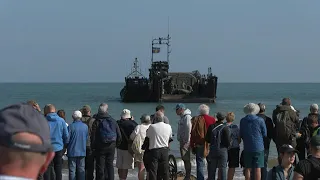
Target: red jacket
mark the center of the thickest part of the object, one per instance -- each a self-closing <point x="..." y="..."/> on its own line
<point x="209" y="120"/>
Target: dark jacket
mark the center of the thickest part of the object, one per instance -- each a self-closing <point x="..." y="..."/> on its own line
<point x="96" y="143"/>
<point x="270" y="130"/>
<point x="127" y="127"/>
<point x="88" y="120"/>
<point x="294" y="121"/>
<point x="225" y="135"/>
<point x="305" y="130"/>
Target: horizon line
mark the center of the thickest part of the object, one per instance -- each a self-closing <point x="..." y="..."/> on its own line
<point x="75" y="82"/>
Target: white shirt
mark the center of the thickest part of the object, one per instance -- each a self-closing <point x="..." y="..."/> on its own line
<point x="159" y="135"/>
<point x="140" y="129"/>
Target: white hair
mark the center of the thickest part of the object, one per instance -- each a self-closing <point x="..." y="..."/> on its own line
<point x="158" y="117"/>
<point x="251" y="108"/>
<point x="77" y="115"/>
<point x="204" y="109"/>
<point x="314" y="108"/>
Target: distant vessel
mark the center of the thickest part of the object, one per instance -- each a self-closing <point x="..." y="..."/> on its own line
<point x="165" y="86"/>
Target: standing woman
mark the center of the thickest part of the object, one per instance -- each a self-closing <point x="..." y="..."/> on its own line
<point x="141" y="132"/>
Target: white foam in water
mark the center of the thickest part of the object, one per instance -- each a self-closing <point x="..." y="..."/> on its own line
<point x="133" y="174"/>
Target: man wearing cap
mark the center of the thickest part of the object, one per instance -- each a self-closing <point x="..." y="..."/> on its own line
<point x="25" y="145"/>
<point x="78" y="135"/>
<point x="88" y="120"/>
<point x="59" y="137"/>
<point x="285" y="169"/>
<point x="219" y="138"/>
<point x="309" y="168"/>
<point x="125" y="159"/>
<point x="183" y="136"/>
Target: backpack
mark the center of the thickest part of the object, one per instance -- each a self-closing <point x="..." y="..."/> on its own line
<point x="285" y="128"/>
<point x="108" y="131"/>
<point x="216" y="137"/>
<point x="234" y="135"/>
<point x="198" y="130"/>
<point x="137" y="143"/>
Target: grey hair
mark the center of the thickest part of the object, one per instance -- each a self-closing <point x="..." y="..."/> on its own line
<point x="314" y="108"/>
<point x="103" y="108"/>
<point x="251" y="108"/>
<point x="145" y="119"/>
<point x="158" y="117"/>
<point x="204" y="109"/>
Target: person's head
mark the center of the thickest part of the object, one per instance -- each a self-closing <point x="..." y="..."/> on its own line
<point x="25" y="145"/>
<point x="262" y="108"/>
<point x="49" y="108"/>
<point x="103" y="108"/>
<point x="220" y="116"/>
<point x="77" y="115"/>
<point x="61" y="113"/>
<point x="230" y="117"/>
<point x="315" y="145"/>
<point x="160" y="108"/>
<point x="314" y="108"/>
<point x="34" y="104"/>
<point x="126" y="114"/>
<point x="287" y="154"/>
<point x="204" y="109"/>
<point x="158" y="117"/>
<point x="145" y="119"/>
<point x="313" y="121"/>
<point x="180" y="109"/>
<point x="286" y="102"/>
<point x="86" y="110"/>
<point x="251" y="109"/>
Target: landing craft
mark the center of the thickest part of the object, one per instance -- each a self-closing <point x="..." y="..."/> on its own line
<point x="165" y="86"/>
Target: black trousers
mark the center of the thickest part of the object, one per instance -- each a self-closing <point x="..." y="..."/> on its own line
<point x="104" y="162"/>
<point x="159" y="164"/>
<point x="89" y="164"/>
<point x="56" y="166"/>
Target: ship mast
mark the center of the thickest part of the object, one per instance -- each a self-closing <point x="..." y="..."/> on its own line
<point x="135" y="71"/>
<point x="161" y="41"/>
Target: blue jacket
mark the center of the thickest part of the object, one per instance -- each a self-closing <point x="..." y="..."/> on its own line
<point x="252" y="131"/>
<point x="58" y="131"/>
<point x="78" y="135"/>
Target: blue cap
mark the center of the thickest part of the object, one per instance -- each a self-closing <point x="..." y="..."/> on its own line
<point x="180" y="106"/>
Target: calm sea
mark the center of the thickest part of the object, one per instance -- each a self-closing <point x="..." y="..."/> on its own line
<point x="231" y="97"/>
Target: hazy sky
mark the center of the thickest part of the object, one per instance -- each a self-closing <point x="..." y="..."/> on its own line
<point x="90" y="41"/>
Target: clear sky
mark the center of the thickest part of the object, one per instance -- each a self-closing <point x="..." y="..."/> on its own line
<point x="96" y="41"/>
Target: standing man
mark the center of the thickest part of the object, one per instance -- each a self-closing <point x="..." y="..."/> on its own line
<point x="59" y="138"/>
<point x="183" y="136"/>
<point x="88" y="120"/>
<point x="78" y="135"/>
<point x="161" y="109"/>
<point x="266" y="140"/>
<point x="106" y="136"/>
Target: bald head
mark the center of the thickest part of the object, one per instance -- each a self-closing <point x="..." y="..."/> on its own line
<point x="103" y="108"/>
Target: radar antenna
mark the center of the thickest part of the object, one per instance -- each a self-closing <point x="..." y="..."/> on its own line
<point x="135" y="70"/>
